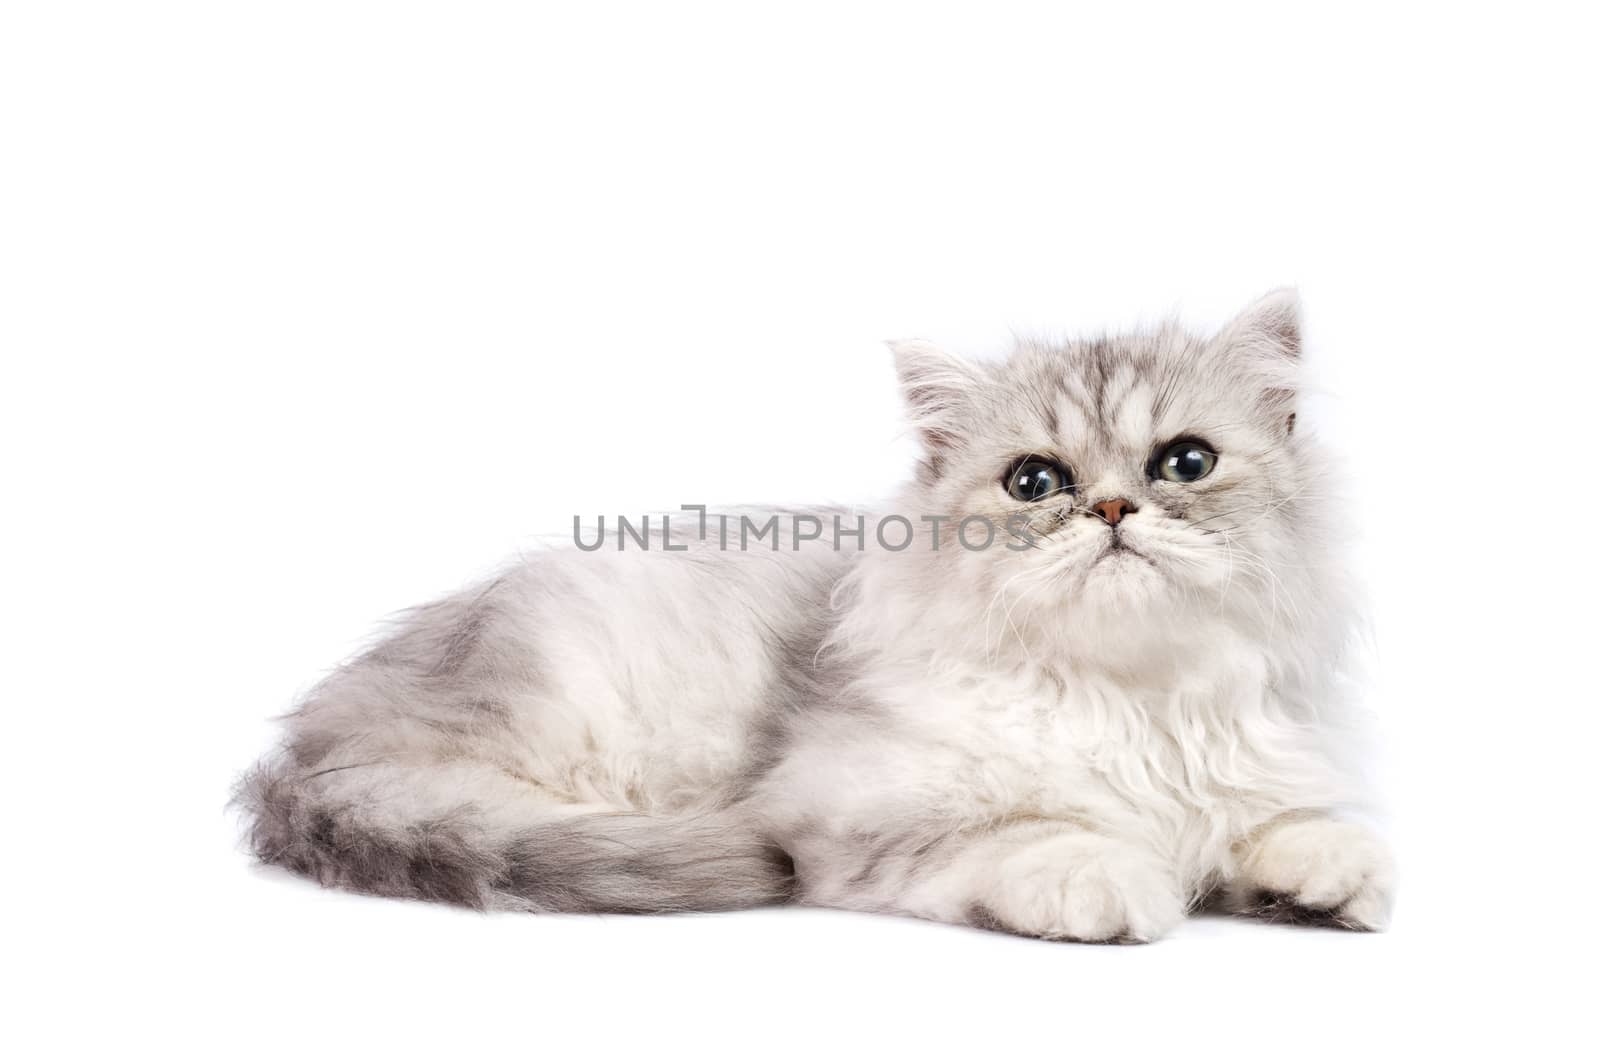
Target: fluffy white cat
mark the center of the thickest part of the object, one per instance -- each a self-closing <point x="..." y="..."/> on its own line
<point x="1077" y="680"/>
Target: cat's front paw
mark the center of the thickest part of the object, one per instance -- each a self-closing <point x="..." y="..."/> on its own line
<point x="1318" y="870"/>
<point x="1083" y="887"/>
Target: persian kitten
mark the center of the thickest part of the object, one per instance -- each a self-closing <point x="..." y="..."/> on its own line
<point x="1078" y="679"/>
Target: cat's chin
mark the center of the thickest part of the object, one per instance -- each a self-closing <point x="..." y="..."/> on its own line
<point x="1126" y="596"/>
<point x="1124" y="577"/>
<point x="1123" y="605"/>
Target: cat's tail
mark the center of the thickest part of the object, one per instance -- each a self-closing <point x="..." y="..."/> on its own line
<point x="458" y="833"/>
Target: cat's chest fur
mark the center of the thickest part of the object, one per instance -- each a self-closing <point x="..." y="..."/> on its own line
<point x="1187" y="764"/>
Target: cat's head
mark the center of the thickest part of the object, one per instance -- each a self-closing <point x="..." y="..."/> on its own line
<point x="1139" y="487"/>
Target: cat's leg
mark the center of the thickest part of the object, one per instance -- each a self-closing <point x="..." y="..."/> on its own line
<point x="1054" y="880"/>
<point x="1307" y="867"/>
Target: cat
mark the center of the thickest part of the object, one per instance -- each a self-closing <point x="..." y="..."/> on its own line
<point x="1124" y="707"/>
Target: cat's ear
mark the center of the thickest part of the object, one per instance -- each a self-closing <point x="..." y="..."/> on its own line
<point x="937" y="388"/>
<point x="1262" y="346"/>
<point x="1270" y="327"/>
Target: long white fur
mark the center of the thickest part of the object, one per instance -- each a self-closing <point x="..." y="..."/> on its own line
<point x="1052" y="740"/>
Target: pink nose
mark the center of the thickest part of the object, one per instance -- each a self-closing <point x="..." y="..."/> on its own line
<point x="1112" y="511"/>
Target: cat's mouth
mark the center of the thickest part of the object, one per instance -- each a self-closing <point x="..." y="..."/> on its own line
<point x="1119" y="548"/>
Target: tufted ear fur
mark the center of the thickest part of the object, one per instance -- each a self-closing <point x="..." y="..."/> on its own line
<point x="938" y="389"/>
<point x="1270" y="326"/>
<point x="1261" y="346"/>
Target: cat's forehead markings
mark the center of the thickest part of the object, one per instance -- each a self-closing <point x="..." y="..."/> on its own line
<point x="1133" y="421"/>
<point x="1050" y="410"/>
<point x="1095" y="393"/>
<point x="1114" y="393"/>
<point x="1097" y="368"/>
<point x="1109" y="379"/>
<point x="1073" y="410"/>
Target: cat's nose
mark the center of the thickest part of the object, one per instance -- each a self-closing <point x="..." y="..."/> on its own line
<point x="1112" y="511"/>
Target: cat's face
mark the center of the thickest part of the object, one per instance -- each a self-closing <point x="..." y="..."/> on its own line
<point x="1135" y="484"/>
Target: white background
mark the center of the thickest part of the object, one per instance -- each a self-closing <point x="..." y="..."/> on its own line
<point x="310" y="311"/>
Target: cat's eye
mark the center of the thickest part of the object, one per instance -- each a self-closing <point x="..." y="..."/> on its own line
<point x="1036" y="477"/>
<point x="1184" y="462"/>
